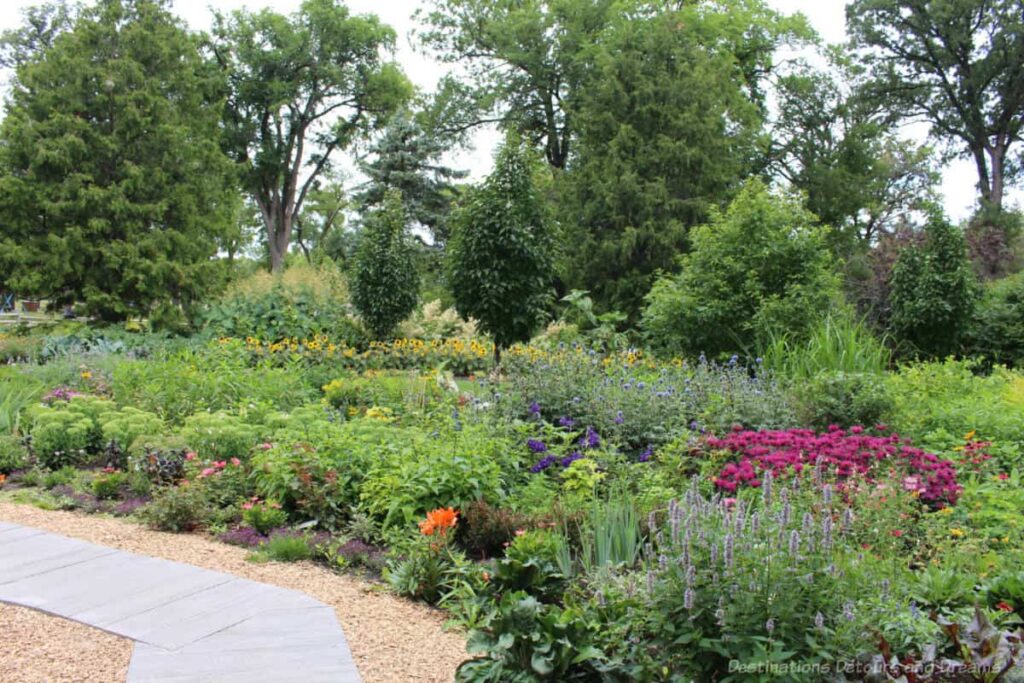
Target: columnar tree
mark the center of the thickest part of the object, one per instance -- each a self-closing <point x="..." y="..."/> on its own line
<point x="501" y="251"/>
<point x="957" y="65"/>
<point x="933" y="291"/>
<point x="385" y="283"/>
<point x="301" y="88"/>
<point x="115" y="190"/>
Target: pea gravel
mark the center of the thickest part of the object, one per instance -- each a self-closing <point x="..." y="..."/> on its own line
<point x="40" y="648"/>
<point x="392" y="639"/>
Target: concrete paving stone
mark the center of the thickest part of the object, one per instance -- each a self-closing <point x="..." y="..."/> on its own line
<point x="15" y="535"/>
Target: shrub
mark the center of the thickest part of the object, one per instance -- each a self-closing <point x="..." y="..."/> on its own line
<point x="263" y="516"/>
<point x="844" y="399"/>
<point x="760" y="266"/>
<point x="108" y="485"/>
<point x="486" y="530"/>
<point x="127" y="424"/>
<point x="216" y="379"/>
<point x="998" y="329"/>
<point x="637" y="405"/>
<point x="219" y="436"/>
<point x="62" y="437"/>
<point x="948" y="397"/>
<point x="432" y="322"/>
<point x="177" y="508"/>
<point x="13" y="455"/>
<point x="161" y="459"/>
<point x="933" y="292"/>
<point x="301" y="303"/>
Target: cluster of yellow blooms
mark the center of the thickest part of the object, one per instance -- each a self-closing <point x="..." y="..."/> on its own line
<point x="462" y="356"/>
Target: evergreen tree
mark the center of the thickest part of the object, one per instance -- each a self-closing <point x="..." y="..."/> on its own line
<point x="406" y="158"/>
<point x="500" y="256"/>
<point x="115" y="190"/>
<point x="385" y="283"/>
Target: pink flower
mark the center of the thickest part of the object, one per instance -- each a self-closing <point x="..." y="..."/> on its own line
<point x="209" y="471"/>
<point x="220" y="464"/>
<point x="1003" y="476"/>
<point x="896" y="532"/>
<point x="190" y="456"/>
<point x="728" y="502"/>
<point x="236" y="462"/>
<point x="266" y="446"/>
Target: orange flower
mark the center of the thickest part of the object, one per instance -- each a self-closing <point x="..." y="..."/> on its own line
<point x="439" y="521"/>
<point x="3" y="478"/>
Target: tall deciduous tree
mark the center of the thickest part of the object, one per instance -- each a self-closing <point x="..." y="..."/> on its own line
<point x="520" y="59"/>
<point x="301" y="88"/>
<point x="114" y="190"/>
<point x="831" y="143"/>
<point x="956" y="64"/>
<point x="500" y="255"/>
<point x="385" y="283"/>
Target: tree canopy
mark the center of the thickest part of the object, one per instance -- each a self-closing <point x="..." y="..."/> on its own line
<point x="301" y="88"/>
<point x="115" y="189"/>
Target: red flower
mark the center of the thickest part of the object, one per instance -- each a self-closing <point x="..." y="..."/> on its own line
<point x="1004" y="606"/>
<point x="896" y="532"/>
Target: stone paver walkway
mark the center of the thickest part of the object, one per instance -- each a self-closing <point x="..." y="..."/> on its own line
<point x="189" y="624"/>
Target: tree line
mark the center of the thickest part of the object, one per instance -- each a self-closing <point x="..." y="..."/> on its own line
<point x="134" y="151"/>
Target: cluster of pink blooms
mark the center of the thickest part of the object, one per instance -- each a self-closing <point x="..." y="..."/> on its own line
<point x="218" y="466"/>
<point x="839" y="452"/>
<point x="255" y="500"/>
<point x="61" y="394"/>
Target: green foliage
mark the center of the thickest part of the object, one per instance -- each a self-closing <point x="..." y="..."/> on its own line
<point x="16" y="394"/>
<point x="841" y="398"/>
<point x="500" y="255"/>
<point x="68" y="432"/>
<point x="949" y="397"/>
<point x="188" y="382"/>
<point x="300" y="303"/>
<point x="324" y="85"/>
<point x="998" y="326"/>
<point x="933" y="292"/>
<point x="397" y="490"/>
<point x="108" y="485"/>
<point x="264" y="516"/>
<point x="659" y="142"/>
<point x="128" y="424"/>
<point x="836" y="343"/>
<point x="286" y="548"/>
<point x="177" y="508"/>
<point x="107" y="128"/>
<point x="13" y="454"/>
<point x="531" y="565"/>
<point x="910" y="53"/>
<point x="220" y="435"/>
<point x="385" y="283"/>
<point x="761" y="266"/>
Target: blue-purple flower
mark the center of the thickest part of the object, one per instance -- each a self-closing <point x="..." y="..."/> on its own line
<point x="647" y="454"/>
<point x="571" y="458"/>
<point x="590" y="439"/>
<point x="544" y="463"/>
<point x="567" y="422"/>
<point x="536" y="445"/>
<point x="534" y="409"/>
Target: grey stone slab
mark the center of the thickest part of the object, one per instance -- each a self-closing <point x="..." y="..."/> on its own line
<point x="270" y="664"/>
<point x="189" y="624"/>
<point x="15" y="535"/>
<point x="202" y="614"/>
<point x="41" y="559"/>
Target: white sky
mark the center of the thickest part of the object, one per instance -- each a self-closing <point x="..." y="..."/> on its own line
<point x="827" y="17"/>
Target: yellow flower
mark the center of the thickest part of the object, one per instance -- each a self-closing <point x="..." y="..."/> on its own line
<point x="970" y="435"/>
<point x="956" y="533"/>
<point x="86" y="374"/>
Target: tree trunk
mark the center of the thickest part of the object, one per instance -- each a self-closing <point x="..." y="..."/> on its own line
<point x="497" y="356"/>
<point x="984" y="184"/>
<point x="279" y="233"/>
<point x="998" y="158"/>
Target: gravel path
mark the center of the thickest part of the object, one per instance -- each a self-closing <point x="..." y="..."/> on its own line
<point x="391" y="639"/>
<point x="39" y="648"/>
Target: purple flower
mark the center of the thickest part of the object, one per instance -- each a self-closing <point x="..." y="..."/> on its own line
<point x="590" y="439"/>
<point x="536" y="446"/>
<point x="244" y="536"/>
<point x="542" y="464"/>
<point x="566" y="422"/>
<point x="647" y="454"/>
<point x="571" y="458"/>
<point x="534" y="408"/>
<point x="619" y="419"/>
